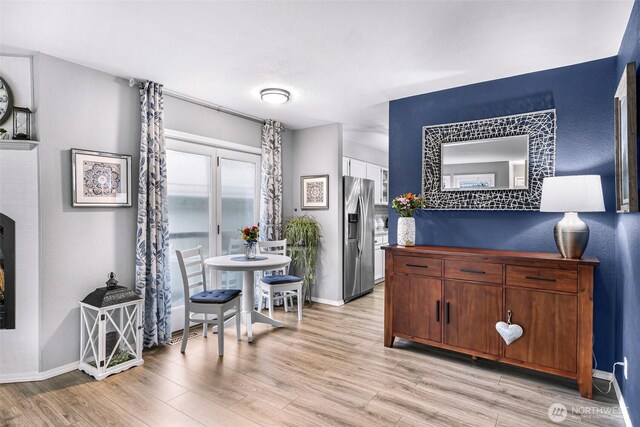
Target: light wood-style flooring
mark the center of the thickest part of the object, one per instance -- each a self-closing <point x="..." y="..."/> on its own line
<point x="329" y="369"/>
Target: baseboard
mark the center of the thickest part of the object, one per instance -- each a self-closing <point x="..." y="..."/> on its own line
<point x="38" y="376"/>
<point x="602" y="375"/>
<point x="623" y="406"/>
<point x="327" y="301"/>
<point x="608" y="376"/>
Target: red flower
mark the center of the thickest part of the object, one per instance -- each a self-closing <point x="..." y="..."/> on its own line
<point x="246" y="230"/>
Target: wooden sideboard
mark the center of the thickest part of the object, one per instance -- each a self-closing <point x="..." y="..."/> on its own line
<point x="452" y="298"/>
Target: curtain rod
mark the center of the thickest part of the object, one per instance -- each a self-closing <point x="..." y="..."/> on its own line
<point x="202" y="103"/>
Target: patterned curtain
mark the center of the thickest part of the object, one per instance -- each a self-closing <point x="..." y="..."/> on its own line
<point x="271" y="183"/>
<point x="152" y="239"/>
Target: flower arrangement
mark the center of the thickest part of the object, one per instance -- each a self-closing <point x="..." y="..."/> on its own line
<point x="250" y="234"/>
<point x="406" y="204"/>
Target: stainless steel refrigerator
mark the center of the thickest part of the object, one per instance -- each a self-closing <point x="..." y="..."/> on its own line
<point x="359" y="231"/>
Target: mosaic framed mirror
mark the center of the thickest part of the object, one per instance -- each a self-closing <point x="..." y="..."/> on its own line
<point x="489" y="164"/>
<point x="626" y="135"/>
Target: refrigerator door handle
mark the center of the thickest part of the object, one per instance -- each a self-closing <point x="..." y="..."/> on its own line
<point x="362" y="226"/>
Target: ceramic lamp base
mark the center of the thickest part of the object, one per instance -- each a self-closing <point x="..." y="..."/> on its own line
<point x="572" y="236"/>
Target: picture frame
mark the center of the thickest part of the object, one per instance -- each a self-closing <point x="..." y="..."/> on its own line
<point x="314" y="192"/>
<point x="626" y="140"/>
<point x="100" y="179"/>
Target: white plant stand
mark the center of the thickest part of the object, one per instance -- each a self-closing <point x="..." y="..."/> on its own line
<point x="107" y="333"/>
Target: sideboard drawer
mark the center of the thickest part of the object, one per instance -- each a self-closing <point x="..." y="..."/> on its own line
<point x="474" y="271"/>
<point x="418" y="265"/>
<point x="555" y="279"/>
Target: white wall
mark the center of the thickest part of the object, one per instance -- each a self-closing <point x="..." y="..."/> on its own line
<point x="366" y="154"/>
<point x="368" y="146"/>
<point x="192" y="118"/>
<point x="287" y="173"/>
<point x="78" y="107"/>
<point x="318" y="151"/>
<point x="15" y="69"/>
<point x="19" y="347"/>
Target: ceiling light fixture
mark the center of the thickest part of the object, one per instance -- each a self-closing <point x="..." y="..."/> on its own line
<point x="274" y="95"/>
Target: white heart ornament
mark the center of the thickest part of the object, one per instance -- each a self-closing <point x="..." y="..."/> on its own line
<point x="509" y="333"/>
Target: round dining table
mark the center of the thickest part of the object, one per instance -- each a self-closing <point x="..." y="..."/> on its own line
<point x="261" y="262"/>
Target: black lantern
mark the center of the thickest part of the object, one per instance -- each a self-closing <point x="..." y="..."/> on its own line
<point x="21" y="123"/>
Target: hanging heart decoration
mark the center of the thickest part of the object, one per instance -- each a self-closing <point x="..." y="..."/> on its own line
<point x="509" y="331"/>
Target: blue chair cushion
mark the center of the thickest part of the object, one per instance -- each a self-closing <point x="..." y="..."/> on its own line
<point x="218" y="296"/>
<point x="280" y="279"/>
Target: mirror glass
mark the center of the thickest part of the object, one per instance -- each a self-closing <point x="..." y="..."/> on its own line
<point x="486" y="164"/>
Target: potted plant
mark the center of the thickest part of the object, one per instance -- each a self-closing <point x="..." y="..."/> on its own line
<point x="3" y="134"/>
<point x="303" y="238"/>
<point x="405" y="205"/>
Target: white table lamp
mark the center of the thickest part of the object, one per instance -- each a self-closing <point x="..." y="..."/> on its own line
<point x="572" y="194"/>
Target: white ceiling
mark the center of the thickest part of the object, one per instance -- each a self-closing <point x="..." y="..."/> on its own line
<point x="342" y="61"/>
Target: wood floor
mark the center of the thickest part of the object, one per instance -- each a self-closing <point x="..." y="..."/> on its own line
<point x="329" y="369"/>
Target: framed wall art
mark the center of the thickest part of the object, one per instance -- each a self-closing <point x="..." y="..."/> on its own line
<point x="626" y="139"/>
<point x="100" y="179"/>
<point x="314" y="192"/>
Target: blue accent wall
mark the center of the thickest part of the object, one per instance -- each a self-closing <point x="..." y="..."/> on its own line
<point x="583" y="98"/>
<point x="628" y="256"/>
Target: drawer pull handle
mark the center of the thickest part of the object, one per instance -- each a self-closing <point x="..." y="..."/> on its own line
<point x="463" y="270"/>
<point x="438" y="311"/>
<point x="541" y="279"/>
<point x="417" y="266"/>
<point x="446" y="312"/>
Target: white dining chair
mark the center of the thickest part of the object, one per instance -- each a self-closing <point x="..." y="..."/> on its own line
<point x="279" y="280"/>
<point x="222" y="304"/>
<point x="232" y="279"/>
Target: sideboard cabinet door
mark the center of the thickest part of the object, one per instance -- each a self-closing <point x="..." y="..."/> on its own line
<point x="417" y="305"/>
<point x="549" y="322"/>
<point x="471" y="311"/>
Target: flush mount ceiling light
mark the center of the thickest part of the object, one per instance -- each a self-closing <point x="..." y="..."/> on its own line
<point x="274" y="95"/>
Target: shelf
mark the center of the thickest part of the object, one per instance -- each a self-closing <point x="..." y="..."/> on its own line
<point x="17" y="144"/>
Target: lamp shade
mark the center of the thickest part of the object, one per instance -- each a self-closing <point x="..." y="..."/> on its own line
<point x="577" y="193"/>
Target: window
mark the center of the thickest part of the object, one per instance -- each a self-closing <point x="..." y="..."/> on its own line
<point x="213" y="192"/>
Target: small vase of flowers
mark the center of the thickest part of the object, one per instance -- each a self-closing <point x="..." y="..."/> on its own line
<point x="250" y="236"/>
<point x="405" y="205"/>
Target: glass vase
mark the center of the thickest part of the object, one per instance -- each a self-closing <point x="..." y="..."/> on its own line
<point x="250" y="250"/>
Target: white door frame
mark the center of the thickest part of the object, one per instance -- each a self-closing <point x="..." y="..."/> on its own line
<point x="243" y="157"/>
<point x="215" y="149"/>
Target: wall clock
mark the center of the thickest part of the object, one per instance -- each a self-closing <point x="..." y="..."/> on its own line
<point x="6" y="101"/>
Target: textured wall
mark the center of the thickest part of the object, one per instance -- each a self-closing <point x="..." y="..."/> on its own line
<point x="188" y="117"/>
<point x="582" y="97"/>
<point x="318" y="151"/>
<point x="628" y="256"/>
<point x="78" y="107"/>
<point x="19" y="347"/>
